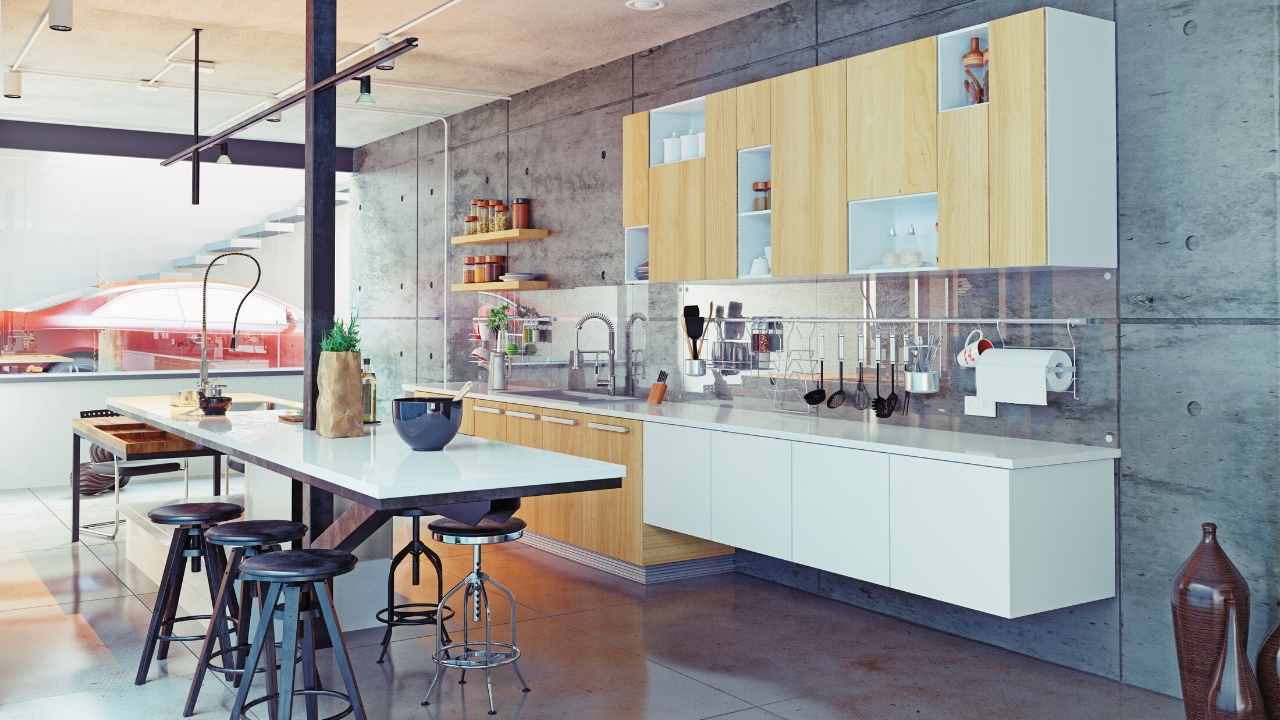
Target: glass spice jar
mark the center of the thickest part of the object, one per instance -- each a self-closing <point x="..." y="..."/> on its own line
<point x="490" y="214"/>
<point x="477" y="211"/>
<point x="472" y="224"/>
<point x="520" y="213"/>
<point x="760" y="196"/>
<point x="468" y="272"/>
<point x="499" y="217"/>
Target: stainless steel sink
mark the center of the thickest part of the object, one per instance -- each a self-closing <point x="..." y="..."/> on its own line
<point x="253" y="406"/>
<point x="568" y="396"/>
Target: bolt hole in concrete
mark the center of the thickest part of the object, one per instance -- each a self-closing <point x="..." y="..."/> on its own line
<point x="486" y="179"/>
<point x="1189" y="28"/>
<point x="1193" y="408"/>
<point x="1110" y="438"/>
<point x="1192" y="242"/>
<point x="526" y="171"/>
<point x="603" y="154"/>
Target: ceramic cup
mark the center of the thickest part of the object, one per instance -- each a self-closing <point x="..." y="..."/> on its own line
<point x="974" y="345"/>
<point x="759" y="267"/>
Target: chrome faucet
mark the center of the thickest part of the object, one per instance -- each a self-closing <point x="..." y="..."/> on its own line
<point x="204" y="387"/>
<point x="575" y="357"/>
<point x="635" y="358"/>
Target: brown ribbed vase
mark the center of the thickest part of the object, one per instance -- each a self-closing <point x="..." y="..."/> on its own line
<point x="1269" y="672"/>
<point x="1210" y="602"/>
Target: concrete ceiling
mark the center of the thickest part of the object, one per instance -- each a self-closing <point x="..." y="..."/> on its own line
<point x="88" y="76"/>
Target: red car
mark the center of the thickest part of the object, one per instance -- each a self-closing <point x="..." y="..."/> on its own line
<point x="155" y="325"/>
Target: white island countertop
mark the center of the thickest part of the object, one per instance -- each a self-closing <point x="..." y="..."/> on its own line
<point x="970" y="448"/>
<point x="378" y="470"/>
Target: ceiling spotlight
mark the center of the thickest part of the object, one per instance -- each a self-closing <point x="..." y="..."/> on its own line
<point x="275" y="117"/>
<point x="224" y="153"/>
<point x="12" y="84"/>
<point x="382" y="43"/>
<point x="60" y="15"/>
<point x="646" y="5"/>
<point x="147" y="86"/>
<point x="366" y="91"/>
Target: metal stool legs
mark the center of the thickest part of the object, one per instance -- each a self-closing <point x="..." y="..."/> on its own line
<point x="485" y="654"/>
<point x="92" y="528"/>
<point x="282" y="696"/>
<point x="188" y="542"/>
<point x="403" y="614"/>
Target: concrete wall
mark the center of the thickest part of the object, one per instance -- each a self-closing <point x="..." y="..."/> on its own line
<point x="1195" y="390"/>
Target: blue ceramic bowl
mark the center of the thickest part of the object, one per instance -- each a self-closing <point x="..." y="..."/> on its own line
<point x="426" y="423"/>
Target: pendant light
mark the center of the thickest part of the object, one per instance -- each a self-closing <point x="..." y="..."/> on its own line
<point x="224" y="153"/>
<point x="275" y="117"/>
<point x="366" y="91"/>
<point x="382" y="43"/>
<point x="60" y="15"/>
<point x="12" y="84"/>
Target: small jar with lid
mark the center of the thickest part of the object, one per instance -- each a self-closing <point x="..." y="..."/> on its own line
<point x="759" y="196"/>
<point x="472" y="224"/>
<point x="477" y="211"/>
<point x="499" y="217"/>
<point x="520" y="218"/>
<point x="468" y="271"/>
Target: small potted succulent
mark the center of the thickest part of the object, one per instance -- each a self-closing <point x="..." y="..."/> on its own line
<point x="339" y="407"/>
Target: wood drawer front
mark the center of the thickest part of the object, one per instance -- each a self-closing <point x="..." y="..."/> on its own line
<point x="840" y="511"/>
<point x="613" y="520"/>
<point x="487" y="420"/>
<point x="556" y="516"/>
<point x="751" y="493"/>
<point x="677" y="487"/>
<point x="521" y="426"/>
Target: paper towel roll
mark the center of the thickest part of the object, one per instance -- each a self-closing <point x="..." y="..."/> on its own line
<point x="1023" y="376"/>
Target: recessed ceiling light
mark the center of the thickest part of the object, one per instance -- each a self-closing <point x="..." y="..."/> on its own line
<point x="61" y="14"/>
<point x="646" y="5"/>
<point x="13" y="84"/>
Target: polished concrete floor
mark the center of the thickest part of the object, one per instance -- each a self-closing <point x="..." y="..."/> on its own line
<point x="595" y="646"/>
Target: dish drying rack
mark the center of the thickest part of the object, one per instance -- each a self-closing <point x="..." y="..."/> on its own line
<point x="797" y="364"/>
<point x="530" y="331"/>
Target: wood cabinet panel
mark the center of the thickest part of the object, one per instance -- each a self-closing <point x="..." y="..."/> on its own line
<point x="488" y="420"/>
<point x="854" y="484"/>
<point x="612" y="521"/>
<point x="751" y="493"/>
<point x="810" y="218"/>
<point x="753" y="115"/>
<point x="1017" y="133"/>
<point x="635" y="170"/>
<point x="722" y="186"/>
<point x="892" y="98"/>
<point x="559" y="516"/>
<point x="964" y="238"/>
<point x="677" y="247"/>
<point x="677" y="484"/>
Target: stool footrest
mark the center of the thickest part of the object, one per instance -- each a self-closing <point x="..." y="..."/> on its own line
<point x="320" y="692"/>
<point x="477" y="655"/>
<point x="231" y="627"/>
<point x="412" y="614"/>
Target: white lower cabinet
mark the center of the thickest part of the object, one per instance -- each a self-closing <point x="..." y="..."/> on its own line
<point x="840" y="511"/>
<point x="677" y="479"/>
<point x="751" y="493"/>
<point x="1006" y="542"/>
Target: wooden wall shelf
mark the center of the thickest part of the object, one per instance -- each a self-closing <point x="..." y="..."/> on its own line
<point x="501" y="236"/>
<point x="493" y="286"/>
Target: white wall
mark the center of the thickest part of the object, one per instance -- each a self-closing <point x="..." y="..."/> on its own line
<point x="69" y="221"/>
<point x="35" y="417"/>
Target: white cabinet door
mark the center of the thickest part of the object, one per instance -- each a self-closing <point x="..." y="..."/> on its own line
<point x="950" y="532"/>
<point x="751" y="493"/>
<point x="840" y="511"/>
<point x="677" y="479"/>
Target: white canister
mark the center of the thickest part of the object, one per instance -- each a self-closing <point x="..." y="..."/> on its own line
<point x="702" y="144"/>
<point x="689" y="145"/>
<point x="671" y="149"/>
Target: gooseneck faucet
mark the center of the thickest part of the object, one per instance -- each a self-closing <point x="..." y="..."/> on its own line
<point x="575" y="358"/>
<point x="629" y="380"/>
<point x="203" y="388"/>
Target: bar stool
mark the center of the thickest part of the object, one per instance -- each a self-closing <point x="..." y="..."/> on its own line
<point x="191" y="521"/>
<point x="402" y="614"/>
<point x="479" y="655"/>
<point x="247" y="539"/>
<point x="297" y="575"/>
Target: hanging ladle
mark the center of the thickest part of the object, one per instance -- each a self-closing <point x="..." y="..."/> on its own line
<point x="818" y="394"/>
<point x="838" y="397"/>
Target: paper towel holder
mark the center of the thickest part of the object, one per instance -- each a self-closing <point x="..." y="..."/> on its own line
<point x="976" y="405"/>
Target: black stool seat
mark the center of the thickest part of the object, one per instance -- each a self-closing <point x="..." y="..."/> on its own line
<point x="195" y="513"/>
<point x="256" y="532"/>
<point x="297" y="566"/>
<point x="486" y="528"/>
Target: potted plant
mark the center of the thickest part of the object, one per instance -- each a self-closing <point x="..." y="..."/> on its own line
<point x="339" y="408"/>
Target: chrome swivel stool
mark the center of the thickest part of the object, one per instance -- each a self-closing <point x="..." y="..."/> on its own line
<point x="301" y="578"/>
<point x="478" y="654"/>
<point x="191" y="521"/>
<point x="413" y="613"/>
<point x="246" y="539"/>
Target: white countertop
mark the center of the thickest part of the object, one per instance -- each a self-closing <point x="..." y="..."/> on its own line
<point x="379" y="466"/>
<point x="970" y="448"/>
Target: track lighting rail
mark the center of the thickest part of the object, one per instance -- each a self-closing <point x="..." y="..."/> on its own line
<point x="351" y="71"/>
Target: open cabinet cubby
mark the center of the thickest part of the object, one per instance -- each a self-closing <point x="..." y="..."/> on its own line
<point x="755" y="226"/>
<point x="636" y="244"/>
<point x="894" y="234"/>
<point x="678" y="122"/>
<point x="952" y="48"/>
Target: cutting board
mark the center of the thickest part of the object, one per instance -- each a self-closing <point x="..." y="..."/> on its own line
<point x="128" y="439"/>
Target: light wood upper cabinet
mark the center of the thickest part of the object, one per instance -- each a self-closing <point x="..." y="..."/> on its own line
<point x="964" y="238"/>
<point x="722" y="186"/>
<point x="1017" y="132"/>
<point x="810" y="219"/>
<point x="892" y="101"/>
<point x="753" y="115"/>
<point x="635" y="170"/>
<point x="677" y="246"/>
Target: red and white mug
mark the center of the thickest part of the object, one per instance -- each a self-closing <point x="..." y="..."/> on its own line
<point x="974" y="345"/>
